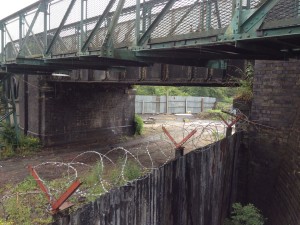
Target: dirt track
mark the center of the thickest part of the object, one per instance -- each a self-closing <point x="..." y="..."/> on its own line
<point x="15" y="170"/>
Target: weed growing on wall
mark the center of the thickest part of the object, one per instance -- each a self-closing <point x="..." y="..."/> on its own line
<point x="139" y="124"/>
<point x="245" y="215"/>
<point x="245" y="90"/>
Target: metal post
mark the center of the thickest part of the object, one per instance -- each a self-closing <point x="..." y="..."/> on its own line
<point x="2" y="43"/>
<point x="81" y="26"/>
<point x="201" y="21"/>
<point x="137" y="21"/>
<point x="13" y="105"/>
<point x="179" y="152"/>
<point x="202" y="104"/>
<point x="208" y="14"/>
<point x="167" y="102"/>
<point x="46" y="26"/>
<point x="186" y="106"/>
<point x="20" y="29"/>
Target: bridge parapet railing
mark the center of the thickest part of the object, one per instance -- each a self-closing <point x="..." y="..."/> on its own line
<point x="80" y="27"/>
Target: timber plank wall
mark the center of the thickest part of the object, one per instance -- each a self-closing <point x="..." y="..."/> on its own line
<point x="196" y="189"/>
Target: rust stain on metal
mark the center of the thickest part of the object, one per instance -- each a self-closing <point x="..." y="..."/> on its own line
<point x="39" y="182"/>
<point x="61" y="203"/>
<point x="185" y="139"/>
<point x="74" y="186"/>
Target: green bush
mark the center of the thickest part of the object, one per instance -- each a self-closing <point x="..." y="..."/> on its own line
<point x="245" y="215"/>
<point x="245" y="90"/>
<point x="138" y="124"/>
<point x="11" y="145"/>
<point x="8" y="134"/>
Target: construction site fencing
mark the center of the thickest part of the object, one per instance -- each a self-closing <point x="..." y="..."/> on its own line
<point x="172" y="104"/>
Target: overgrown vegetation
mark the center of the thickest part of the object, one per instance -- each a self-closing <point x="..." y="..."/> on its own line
<point x="223" y="94"/>
<point x="138" y="124"/>
<point x="11" y="145"/>
<point x="245" y="90"/>
<point x="245" y="215"/>
<point x="24" y="203"/>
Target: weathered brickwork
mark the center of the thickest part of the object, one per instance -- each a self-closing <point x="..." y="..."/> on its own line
<point x="274" y="157"/>
<point x="62" y="113"/>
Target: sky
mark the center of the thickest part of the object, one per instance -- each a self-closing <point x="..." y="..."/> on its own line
<point x="12" y="6"/>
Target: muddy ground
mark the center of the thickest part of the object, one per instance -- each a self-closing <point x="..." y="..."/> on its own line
<point x="152" y="148"/>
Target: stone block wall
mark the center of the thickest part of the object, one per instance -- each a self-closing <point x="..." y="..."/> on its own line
<point x="273" y="174"/>
<point x="61" y="113"/>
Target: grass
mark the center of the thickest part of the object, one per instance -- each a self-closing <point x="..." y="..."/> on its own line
<point x="139" y="124"/>
<point x="25" y="203"/>
<point x="12" y="146"/>
<point x="213" y="114"/>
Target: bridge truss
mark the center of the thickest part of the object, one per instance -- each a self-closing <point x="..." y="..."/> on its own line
<point x="55" y="35"/>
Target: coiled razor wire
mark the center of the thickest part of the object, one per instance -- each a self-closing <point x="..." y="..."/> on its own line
<point x="158" y="147"/>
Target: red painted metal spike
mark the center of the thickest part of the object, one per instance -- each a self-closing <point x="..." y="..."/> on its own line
<point x="186" y="138"/>
<point x="169" y="136"/>
<point x="39" y="182"/>
<point x="74" y="186"/>
<point x="179" y="145"/>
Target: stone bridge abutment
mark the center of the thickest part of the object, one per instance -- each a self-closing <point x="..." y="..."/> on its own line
<point x="272" y="173"/>
<point x="62" y="113"/>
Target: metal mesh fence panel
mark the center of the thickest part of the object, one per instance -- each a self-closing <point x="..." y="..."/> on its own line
<point x="68" y="39"/>
<point x="255" y="3"/>
<point x="11" y="42"/>
<point x="284" y="9"/>
<point x="95" y="8"/>
<point x="124" y="33"/>
<point x="34" y="46"/>
<point x="188" y="16"/>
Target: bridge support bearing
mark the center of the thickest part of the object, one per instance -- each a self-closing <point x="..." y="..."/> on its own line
<point x="63" y="113"/>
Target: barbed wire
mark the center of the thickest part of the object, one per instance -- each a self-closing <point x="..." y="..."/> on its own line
<point x="147" y="156"/>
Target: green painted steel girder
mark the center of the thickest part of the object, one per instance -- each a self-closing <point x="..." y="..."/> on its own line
<point x="154" y="24"/>
<point x="62" y="23"/>
<point x="98" y="24"/>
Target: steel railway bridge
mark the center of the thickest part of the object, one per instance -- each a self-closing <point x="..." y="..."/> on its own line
<point x="51" y="36"/>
